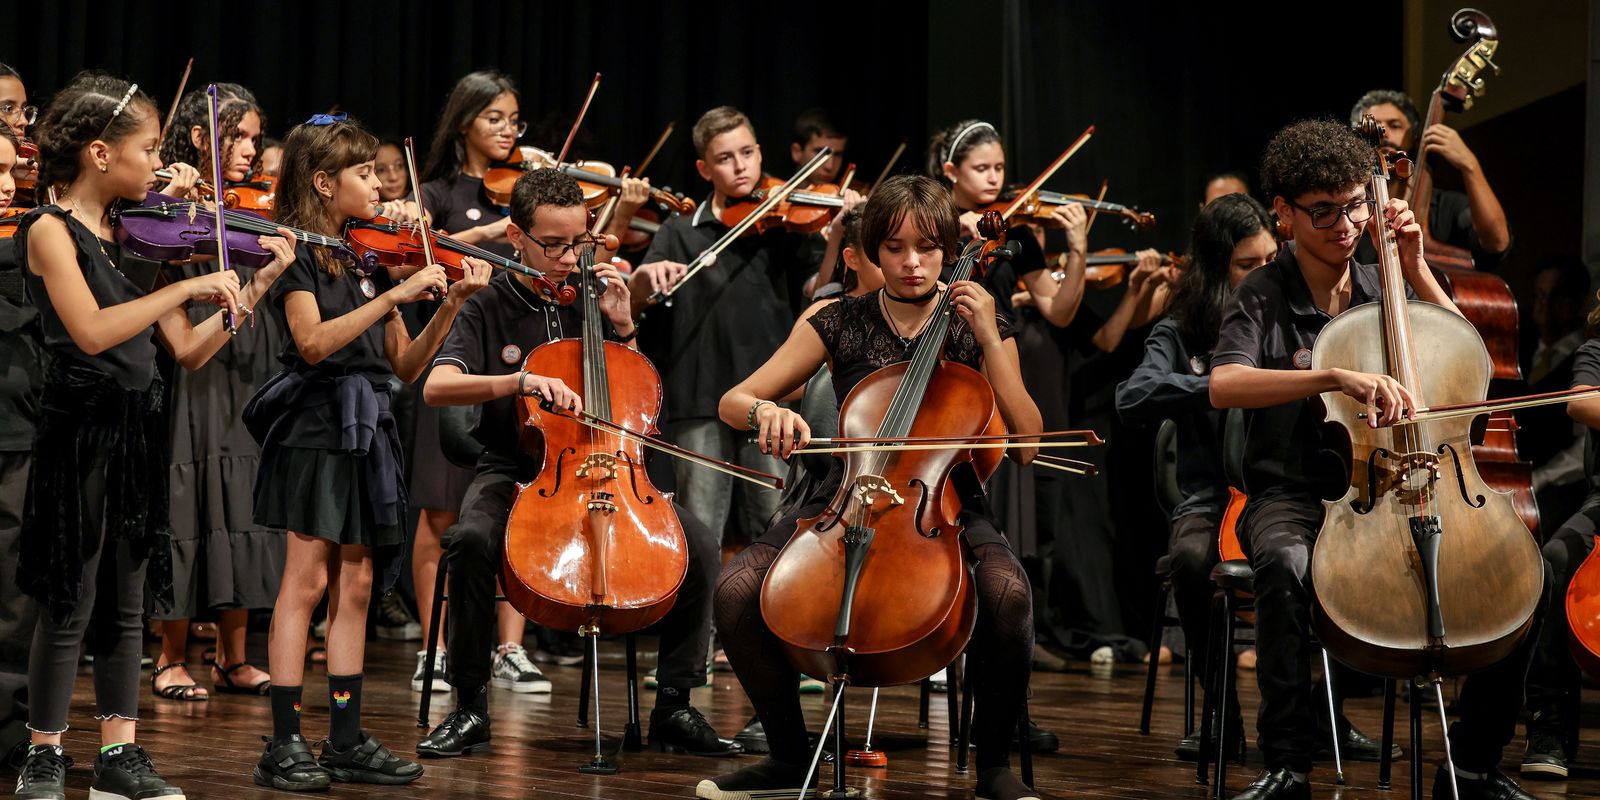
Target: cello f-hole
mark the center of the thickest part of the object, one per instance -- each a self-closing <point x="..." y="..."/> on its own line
<point x="1461" y="479"/>
<point x="633" y="478"/>
<point x="922" y="507"/>
<point x="1372" y="481"/>
<point x="561" y="459"/>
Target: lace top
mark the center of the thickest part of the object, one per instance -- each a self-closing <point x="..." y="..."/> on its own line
<point x="860" y="341"/>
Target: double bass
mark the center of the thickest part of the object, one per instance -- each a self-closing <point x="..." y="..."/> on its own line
<point x="1484" y="298"/>
<point x="1421" y="569"/>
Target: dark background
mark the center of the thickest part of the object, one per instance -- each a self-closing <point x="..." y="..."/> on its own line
<point x="1176" y="92"/>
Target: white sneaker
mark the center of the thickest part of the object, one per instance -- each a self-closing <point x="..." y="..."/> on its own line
<point x="441" y="671"/>
<point x="395" y="621"/>
<point x="512" y="669"/>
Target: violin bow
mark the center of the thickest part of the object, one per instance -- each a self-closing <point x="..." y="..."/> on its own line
<point x="849" y="175"/>
<point x="1094" y="210"/>
<point x="756" y="477"/>
<point x="172" y="113"/>
<point x="1453" y="410"/>
<point x="771" y="201"/>
<point x="893" y="160"/>
<point x="1029" y="190"/>
<point x="651" y="156"/>
<point x="594" y="86"/>
<point x="423" y="225"/>
<point x="603" y="219"/>
<point x="229" y="324"/>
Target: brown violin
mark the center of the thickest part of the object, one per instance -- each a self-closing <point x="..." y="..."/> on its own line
<point x="1039" y="207"/>
<point x="802" y="211"/>
<point x="597" y="179"/>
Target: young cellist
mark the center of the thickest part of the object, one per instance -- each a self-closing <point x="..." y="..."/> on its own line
<point x="910" y="227"/>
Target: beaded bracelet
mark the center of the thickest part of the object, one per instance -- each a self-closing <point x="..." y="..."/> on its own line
<point x="750" y="418"/>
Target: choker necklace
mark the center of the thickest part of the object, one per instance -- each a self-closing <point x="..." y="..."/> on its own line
<point x="913" y="301"/>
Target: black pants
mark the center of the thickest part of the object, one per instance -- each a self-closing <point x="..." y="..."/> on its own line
<point x="475" y="547"/>
<point x="1278" y="533"/>
<point x="1193" y="548"/>
<point x="17" y="610"/>
<point x="1554" y="682"/>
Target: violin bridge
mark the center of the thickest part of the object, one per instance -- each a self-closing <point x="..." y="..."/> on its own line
<point x="868" y="488"/>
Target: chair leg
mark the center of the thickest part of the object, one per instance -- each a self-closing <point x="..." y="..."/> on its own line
<point x="1026" y="745"/>
<point x="1188" y="691"/>
<point x="1224" y="684"/>
<point x="925" y="689"/>
<point x="1210" y="671"/>
<point x="953" y="680"/>
<point x="1157" y="627"/>
<point x="964" y="729"/>
<point x="1386" y="762"/>
<point x="631" y="740"/>
<point x="433" y="642"/>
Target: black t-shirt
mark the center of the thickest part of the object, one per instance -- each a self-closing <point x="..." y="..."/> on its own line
<point x="493" y="334"/>
<point x="730" y="317"/>
<point x="859" y="341"/>
<point x="1001" y="279"/>
<point x="1173" y="383"/>
<point x="21" y="367"/>
<point x="1449" y="222"/>
<point x="1272" y="323"/>
<point x="1586" y="372"/>
<point x="455" y="204"/>
<point x="132" y="363"/>
<point x="336" y="296"/>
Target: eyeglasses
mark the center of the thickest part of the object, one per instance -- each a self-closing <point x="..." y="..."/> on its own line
<point x="28" y="114"/>
<point x="559" y="250"/>
<point x="497" y="123"/>
<point x="1327" y="216"/>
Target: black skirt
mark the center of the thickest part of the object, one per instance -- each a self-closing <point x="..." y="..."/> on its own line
<point x="319" y="493"/>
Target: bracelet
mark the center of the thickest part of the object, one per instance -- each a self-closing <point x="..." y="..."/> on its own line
<point x="522" y="384"/>
<point x="750" y="418"/>
<point x="630" y="337"/>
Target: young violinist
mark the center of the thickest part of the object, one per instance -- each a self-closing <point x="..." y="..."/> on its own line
<point x="1232" y="236"/>
<point x="1316" y="173"/>
<point x="1472" y="220"/>
<point x="330" y="471"/>
<point x="222" y="562"/>
<point x="98" y="447"/>
<point x="15" y="111"/>
<point x="1555" y="683"/>
<point x="480" y="364"/>
<point x="910" y="227"/>
<point x="723" y="322"/>
<point x="814" y="130"/>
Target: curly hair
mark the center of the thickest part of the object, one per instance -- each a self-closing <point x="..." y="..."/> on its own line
<point x="978" y="133"/>
<point x="1203" y="291"/>
<point x="307" y="150"/>
<point x="542" y="187"/>
<point x="1314" y="155"/>
<point x="928" y="204"/>
<point x="233" y="103"/>
<point x="94" y="106"/>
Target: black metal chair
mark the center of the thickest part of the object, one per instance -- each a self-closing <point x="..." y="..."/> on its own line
<point x="1168" y="496"/>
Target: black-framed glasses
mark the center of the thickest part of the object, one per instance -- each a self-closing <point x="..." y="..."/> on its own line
<point x="559" y="250"/>
<point x="497" y="123"/>
<point x="28" y="114"/>
<point x="1327" y="216"/>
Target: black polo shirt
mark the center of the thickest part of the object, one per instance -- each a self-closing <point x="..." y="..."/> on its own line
<point x="1272" y="323"/>
<point x="1449" y="222"/>
<point x="493" y="334"/>
<point x="1586" y="372"/>
<point x="731" y="316"/>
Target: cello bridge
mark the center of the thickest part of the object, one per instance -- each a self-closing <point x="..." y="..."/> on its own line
<point x="599" y="466"/>
<point x="868" y="488"/>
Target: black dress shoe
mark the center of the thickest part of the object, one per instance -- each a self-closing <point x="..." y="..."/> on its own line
<point x="1355" y="746"/>
<point x="685" y="730"/>
<point x="1039" y="739"/>
<point x="1275" y="784"/>
<point x="464" y="731"/>
<point x="1494" y="787"/>
<point x="753" y="737"/>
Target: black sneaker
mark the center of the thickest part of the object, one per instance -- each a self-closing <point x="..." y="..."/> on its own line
<point x="685" y="730"/>
<point x="125" y="773"/>
<point x="43" y="775"/>
<point x="764" y="780"/>
<point x="1546" y="759"/>
<point x="368" y="762"/>
<point x="290" y="766"/>
<point x="465" y="731"/>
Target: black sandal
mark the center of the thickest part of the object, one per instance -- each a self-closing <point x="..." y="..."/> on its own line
<point x="189" y="693"/>
<point x="228" y="686"/>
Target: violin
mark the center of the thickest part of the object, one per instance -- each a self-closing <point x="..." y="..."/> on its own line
<point x="398" y="244"/>
<point x="597" y="179"/>
<point x="1039" y="206"/>
<point x="255" y="195"/>
<point x="166" y="228"/>
<point x="1107" y="268"/>
<point x="591" y="545"/>
<point x="28" y="158"/>
<point x="10" y="220"/>
<point x="1420" y="569"/>
<point x="802" y="211"/>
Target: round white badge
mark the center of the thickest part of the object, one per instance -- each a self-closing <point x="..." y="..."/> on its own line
<point x="511" y="354"/>
<point x="473" y="214"/>
<point x="367" y="289"/>
<point x="1302" y="359"/>
<point x="1197" y="365"/>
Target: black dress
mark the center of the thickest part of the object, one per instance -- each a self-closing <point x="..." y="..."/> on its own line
<point x="859" y="342"/>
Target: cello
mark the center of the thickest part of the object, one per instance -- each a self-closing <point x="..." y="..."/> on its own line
<point x="1420" y="569"/>
<point x="1484" y="298"/>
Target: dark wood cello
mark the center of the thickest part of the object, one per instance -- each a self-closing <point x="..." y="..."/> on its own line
<point x="1420" y="569"/>
<point x="1484" y="298"/>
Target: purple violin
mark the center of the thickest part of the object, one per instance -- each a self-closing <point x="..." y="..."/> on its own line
<point x="166" y="228"/>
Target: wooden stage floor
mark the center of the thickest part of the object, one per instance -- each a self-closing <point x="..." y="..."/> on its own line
<point x="209" y="748"/>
